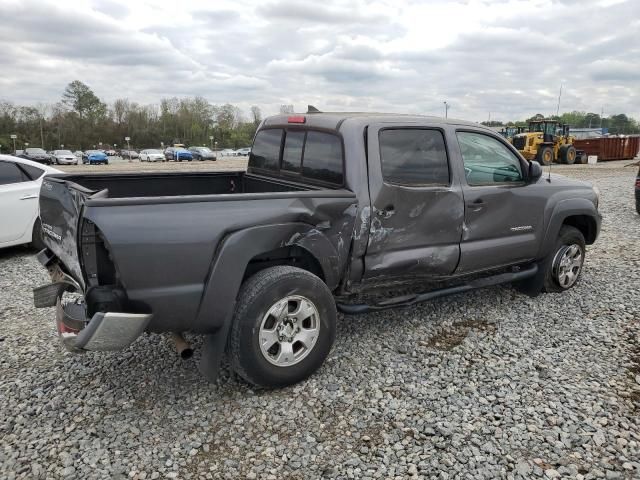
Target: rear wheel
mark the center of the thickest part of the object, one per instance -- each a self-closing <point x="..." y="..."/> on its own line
<point x="37" y="242"/>
<point x="545" y="155"/>
<point x="283" y="327"/>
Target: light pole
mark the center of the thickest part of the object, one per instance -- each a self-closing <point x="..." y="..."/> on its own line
<point x="446" y="110"/>
<point x="215" y="150"/>
<point x="13" y="137"/>
<point x="211" y="141"/>
<point x="26" y="144"/>
<point x="128" y="148"/>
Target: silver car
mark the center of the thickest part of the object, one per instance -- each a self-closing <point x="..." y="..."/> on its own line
<point x="64" y="157"/>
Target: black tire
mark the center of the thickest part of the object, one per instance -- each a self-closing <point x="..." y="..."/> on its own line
<point x="37" y="242"/>
<point x="257" y="296"/>
<point x="568" y="237"/>
<point x="545" y="155"/>
<point x="568" y="154"/>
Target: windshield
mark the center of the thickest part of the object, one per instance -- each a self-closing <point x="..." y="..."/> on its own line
<point x="35" y="150"/>
<point x="153" y="151"/>
<point x="203" y="149"/>
<point x="181" y="149"/>
<point x="94" y="151"/>
<point x="63" y="152"/>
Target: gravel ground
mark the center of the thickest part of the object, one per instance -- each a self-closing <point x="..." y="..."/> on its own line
<point x="490" y="384"/>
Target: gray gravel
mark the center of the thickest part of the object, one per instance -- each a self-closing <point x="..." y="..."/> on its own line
<point x="490" y="384"/>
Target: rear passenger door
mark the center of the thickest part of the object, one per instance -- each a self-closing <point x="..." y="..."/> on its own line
<point x="417" y="208"/>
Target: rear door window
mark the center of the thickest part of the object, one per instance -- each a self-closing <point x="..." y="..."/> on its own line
<point x="33" y="172"/>
<point x="323" y="158"/>
<point x="413" y="156"/>
<point x="10" y="173"/>
<point x="266" y="149"/>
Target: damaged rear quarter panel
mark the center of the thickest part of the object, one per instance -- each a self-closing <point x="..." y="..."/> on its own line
<point x="165" y="253"/>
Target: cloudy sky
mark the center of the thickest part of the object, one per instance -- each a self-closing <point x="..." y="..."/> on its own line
<point x="506" y="58"/>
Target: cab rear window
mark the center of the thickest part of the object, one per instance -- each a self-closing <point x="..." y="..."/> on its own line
<point x="265" y="153"/>
<point x="311" y="155"/>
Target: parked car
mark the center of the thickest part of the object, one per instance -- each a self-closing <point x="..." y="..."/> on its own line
<point x="259" y="261"/>
<point x="36" y="155"/>
<point x="129" y="154"/>
<point x="178" y="154"/>
<point x="151" y="155"/>
<point x="202" y="153"/>
<point x="20" y="181"/>
<point x="110" y="152"/>
<point x="94" y="157"/>
<point x="244" y="151"/>
<point x="64" y="157"/>
<point x="78" y="154"/>
<point x="227" y="152"/>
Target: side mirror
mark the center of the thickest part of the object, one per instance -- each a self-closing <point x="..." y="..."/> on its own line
<point x="535" y="171"/>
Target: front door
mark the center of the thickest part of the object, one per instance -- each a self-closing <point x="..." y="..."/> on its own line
<point x="503" y="211"/>
<point x="417" y="209"/>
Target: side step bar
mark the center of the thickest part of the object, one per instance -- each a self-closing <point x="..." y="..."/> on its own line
<point x="407" y="300"/>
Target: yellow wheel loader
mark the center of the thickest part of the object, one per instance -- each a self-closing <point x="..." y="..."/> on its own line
<point x="546" y="141"/>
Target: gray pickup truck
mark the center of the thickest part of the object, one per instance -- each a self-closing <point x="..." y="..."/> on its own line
<point x="333" y="208"/>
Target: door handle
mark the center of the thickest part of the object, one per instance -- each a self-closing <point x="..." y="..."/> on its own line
<point x="477" y="204"/>
<point x="29" y="196"/>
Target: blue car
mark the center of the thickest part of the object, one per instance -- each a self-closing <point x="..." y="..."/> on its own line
<point x="178" y="154"/>
<point x="93" y="157"/>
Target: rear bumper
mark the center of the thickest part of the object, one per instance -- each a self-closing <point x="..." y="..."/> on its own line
<point x="103" y="332"/>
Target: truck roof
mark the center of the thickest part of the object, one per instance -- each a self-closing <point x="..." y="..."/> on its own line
<point x="333" y="120"/>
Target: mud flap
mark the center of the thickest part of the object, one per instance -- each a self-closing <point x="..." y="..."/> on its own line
<point x="212" y="350"/>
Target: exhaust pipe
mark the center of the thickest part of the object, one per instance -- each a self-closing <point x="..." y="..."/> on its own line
<point x="182" y="346"/>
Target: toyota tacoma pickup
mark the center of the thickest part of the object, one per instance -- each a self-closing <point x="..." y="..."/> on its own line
<point x="333" y="209"/>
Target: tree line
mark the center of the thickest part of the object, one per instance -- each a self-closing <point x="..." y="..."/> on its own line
<point x="80" y="121"/>
<point x="619" y="124"/>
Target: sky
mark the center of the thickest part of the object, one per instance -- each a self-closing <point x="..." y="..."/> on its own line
<point x="499" y="59"/>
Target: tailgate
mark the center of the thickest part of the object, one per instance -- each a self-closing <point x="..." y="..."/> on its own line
<point x="61" y="204"/>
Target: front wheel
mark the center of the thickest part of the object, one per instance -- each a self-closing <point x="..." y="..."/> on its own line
<point x="545" y="155"/>
<point x="564" y="265"/>
<point x="283" y="327"/>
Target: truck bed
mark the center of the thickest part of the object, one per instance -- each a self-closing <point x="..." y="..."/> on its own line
<point x="172" y="184"/>
<point x="158" y="236"/>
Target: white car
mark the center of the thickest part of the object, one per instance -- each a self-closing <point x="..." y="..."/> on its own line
<point x="64" y="157"/>
<point x="243" y="152"/>
<point x="151" y="155"/>
<point x="20" y="181"/>
<point x="228" y="152"/>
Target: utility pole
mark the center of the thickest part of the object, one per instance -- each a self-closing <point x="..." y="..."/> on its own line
<point x="559" y="97"/>
<point x="446" y="110"/>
